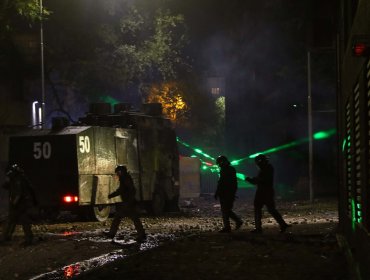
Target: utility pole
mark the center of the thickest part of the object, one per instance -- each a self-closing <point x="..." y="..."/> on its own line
<point x="42" y="120"/>
<point x="310" y="136"/>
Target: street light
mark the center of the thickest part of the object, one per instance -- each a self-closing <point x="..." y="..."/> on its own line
<point x="310" y="136"/>
<point x="42" y="120"/>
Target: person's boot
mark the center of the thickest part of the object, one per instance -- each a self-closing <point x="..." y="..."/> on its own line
<point x="141" y="238"/>
<point x="108" y="234"/>
<point x="284" y="227"/>
<point x="257" y="221"/>
<point x="256" y="230"/>
<point x="28" y="241"/>
<point x="225" y="230"/>
<point x="238" y="225"/>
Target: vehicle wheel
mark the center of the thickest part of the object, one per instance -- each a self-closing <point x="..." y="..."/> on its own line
<point x="101" y="212"/>
<point x="50" y="213"/>
<point x="158" y="203"/>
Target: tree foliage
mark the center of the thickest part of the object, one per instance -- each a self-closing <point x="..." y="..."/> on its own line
<point x="172" y="98"/>
<point x="113" y="47"/>
<point x="30" y="10"/>
<point x="96" y="49"/>
<point x="141" y="48"/>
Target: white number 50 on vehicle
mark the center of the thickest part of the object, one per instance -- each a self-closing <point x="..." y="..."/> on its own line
<point x="41" y="150"/>
<point x="84" y="143"/>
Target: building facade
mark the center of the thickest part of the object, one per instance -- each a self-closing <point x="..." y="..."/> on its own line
<point x="353" y="59"/>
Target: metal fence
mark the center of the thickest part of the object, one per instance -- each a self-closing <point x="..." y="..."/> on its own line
<point x="208" y="182"/>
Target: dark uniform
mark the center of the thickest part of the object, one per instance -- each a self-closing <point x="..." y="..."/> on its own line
<point x="127" y="207"/>
<point x="21" y="202"/>
<point x="226" y="190"/>
<point x="265" y="194"/>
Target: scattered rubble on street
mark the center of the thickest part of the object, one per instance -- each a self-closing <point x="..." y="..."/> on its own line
<point x="185" y="244"/>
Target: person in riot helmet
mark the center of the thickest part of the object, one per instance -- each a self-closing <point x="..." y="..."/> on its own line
<point x="127" y="207"/>
<point x="265" y="194"/>
<point x="226" y="190"/>
<point x="21" y="202"/>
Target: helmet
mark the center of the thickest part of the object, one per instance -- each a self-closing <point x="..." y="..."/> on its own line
<point x="222" y="160"/>
<point x="13" y="169"/>
<point x="261" y="158"/>
<point x="120" y="168"/>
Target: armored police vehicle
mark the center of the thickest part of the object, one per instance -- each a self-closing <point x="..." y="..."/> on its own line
<point x="72" y="166"/>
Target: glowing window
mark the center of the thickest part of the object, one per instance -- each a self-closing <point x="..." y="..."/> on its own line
<point x="216" y="90"/>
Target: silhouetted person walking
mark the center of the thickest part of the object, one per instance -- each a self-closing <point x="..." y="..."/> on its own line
<point x="21" y="201"/>
<point x="226" y="190"/>
<point x="265" y="194"/>
<point x="127" y="207"/>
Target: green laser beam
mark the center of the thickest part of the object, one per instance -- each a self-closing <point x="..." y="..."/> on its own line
<point x="344" y="144"/>
<point x="316" y="136"/>
<point x="279" y="148"/>
<point x="353" y="214"/>
<point x="109" y="99"/>
<point x="324" y="134"/>
<point x="242" y="177"/>
<point x="206" y="165"/>
<point x="214" y="168"/>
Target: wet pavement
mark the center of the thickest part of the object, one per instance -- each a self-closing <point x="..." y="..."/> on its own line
<point x="128" y="246"/>
<point x="66" y="249"/>
<point x="306" y="252"/>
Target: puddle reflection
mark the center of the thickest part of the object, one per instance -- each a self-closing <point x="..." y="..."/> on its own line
<point x="70" y="233"/>
<point x="127" y="248"/>
<point x="71" y="270"/>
